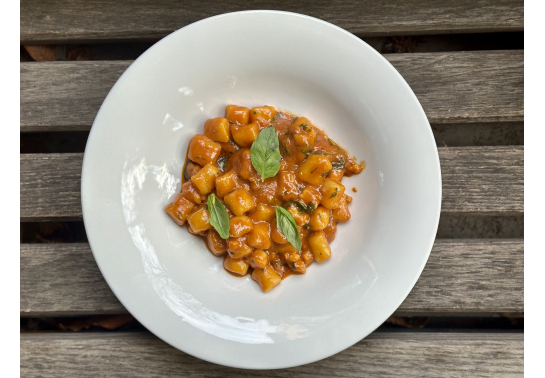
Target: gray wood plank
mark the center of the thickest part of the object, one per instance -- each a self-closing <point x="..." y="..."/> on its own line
<point x="68" y="21"/>
<point x="458" y="87"/>
<point x="62" y="96"/>
<point x="476" y="180"/>
<point x="481" y="86"/>
<point x="381" y="354"/>
<point x="462" y="277"/>
<point x="482" y="180"/>
<point x="50" y="187"/>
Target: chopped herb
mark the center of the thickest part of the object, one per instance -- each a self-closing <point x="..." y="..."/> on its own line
<point x="284" y="149"/>
<point x="292" y="265"/>
<point x="222" y="160"/>
<point x="263" y="270"/>
<point x="206" y="207"/>
<point x="276" y="263"/>
<point x="328" y="172"/>
<point x="180" y="216"/>
<point x="307" y="226"/>
<point x="325" y="153"/>
<point x="304" y="126"/>
<point x="307" y="209"/>
<point x="311" y="172"/>
<point x="307" y="151"/>
<point x="255" y="112"/>
<point x="339" y="164"/>
<point x="187" y="177"/>
<point x="335" y="193"/>
<point x="333" y="143"/>
<point x="252" y="261"/>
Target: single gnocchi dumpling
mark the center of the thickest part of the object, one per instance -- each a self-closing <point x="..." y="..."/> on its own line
<point x="199" y="220"/>
<point x="239" y="201"/>
<point x="245" y="135"/>
<point x="217" y="129"/>
<point x="238" y="115"/>
<point x="314" y="169"/>
<point x="262" y="115"/>
<point x="203" y="150"/>
<point x="205" y="179"/>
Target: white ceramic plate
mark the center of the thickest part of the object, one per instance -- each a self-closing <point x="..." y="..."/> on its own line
<point x="166" y="277"/>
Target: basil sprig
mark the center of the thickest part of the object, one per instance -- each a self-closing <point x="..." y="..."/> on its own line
<point x="287" y="226"/>
<point x="265" y="153"/>
<point x="218" y="216"/>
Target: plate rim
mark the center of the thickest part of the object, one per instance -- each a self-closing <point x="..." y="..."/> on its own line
<point x="436" y="162"/>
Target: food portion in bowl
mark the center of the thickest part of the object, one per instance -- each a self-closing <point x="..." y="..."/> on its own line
<point x="263" y="187"/>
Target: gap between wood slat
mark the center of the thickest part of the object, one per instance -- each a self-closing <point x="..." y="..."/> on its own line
<point x="462" y="277"/>
<point x="449" y="135"/>
<point x="127" y="323"/>
<point x="451" y="226"/>
<point x="384" y="45"/>
<point x="381" y="354"/>
<point x="460" y="87"/>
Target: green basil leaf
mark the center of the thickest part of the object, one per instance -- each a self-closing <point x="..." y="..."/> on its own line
<point x="219" y="218"/>
<point x="287" y="226"/>
<point x="265" y="153"/>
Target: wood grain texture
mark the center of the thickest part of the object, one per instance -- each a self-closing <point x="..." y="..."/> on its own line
<point x="462" y="277"/>
<point x="50" y="187"/>
<point x="482" y="86"/>
<point x="69" y="21"/>
<point x="61" y="96"/>
<point x="459" y="87"/>
<point x="381" y="354"/>
<point x="480" y="180"/>
<point x="476" y="180"/>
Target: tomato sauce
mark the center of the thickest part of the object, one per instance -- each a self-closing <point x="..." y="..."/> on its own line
<point x="308" y="185"/>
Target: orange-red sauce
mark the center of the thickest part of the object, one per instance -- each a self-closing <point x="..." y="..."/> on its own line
<point x="302" y="194"/>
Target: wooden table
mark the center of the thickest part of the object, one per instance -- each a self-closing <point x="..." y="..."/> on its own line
<point x="470" y="273"/>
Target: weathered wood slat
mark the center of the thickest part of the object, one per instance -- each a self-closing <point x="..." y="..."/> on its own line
<point x="63" y="96"/>
<point x="50" y="187"/>
<point x="464" y="277"/>
<point x="381" y="354"/>
<point x="68" y="21"/>
<point x="461" y="87"/>
<point x="483" y="180"/>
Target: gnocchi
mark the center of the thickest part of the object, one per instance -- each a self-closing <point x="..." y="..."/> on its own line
<point x="308" y="185"/>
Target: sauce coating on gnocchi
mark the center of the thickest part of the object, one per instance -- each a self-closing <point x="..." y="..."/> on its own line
<point x="308" y="184"/>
